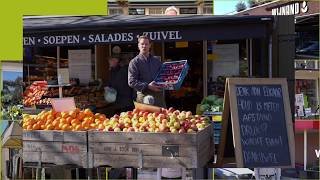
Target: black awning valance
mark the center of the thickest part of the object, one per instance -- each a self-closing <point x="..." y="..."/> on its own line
<point x="189" y="28"/>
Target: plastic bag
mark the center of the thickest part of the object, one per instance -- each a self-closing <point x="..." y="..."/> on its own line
<point x="110" y="94"/>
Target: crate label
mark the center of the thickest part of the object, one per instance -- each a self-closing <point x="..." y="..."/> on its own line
<point x="70" y="148"/>
<point x="57" y="136"/>
<point x="31" y="146"/>
<point x="170" y="151"/>
<point x="31" y="135"/>
<point x="121" y="148"/>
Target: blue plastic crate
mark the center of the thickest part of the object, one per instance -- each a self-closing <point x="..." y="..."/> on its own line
<point x="164" y="72"/>
<point x="217" y="125"/>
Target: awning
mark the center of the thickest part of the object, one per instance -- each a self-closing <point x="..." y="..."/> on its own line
<point x="75" y="30"/>
<point x="12" y="137"/>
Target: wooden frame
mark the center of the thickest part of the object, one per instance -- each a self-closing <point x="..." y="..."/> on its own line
<point x="230" y="106"/>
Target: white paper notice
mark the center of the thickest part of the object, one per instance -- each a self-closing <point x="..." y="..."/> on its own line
<point x="226" y="61"/>
<point x="80" y="65"/>
<point x="299" y="100"/>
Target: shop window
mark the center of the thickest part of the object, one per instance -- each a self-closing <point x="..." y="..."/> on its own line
<point x="188" y="10"/>
<point x="136" y="11"/>
<point x="225" y="59"/>
<point x="191" y="92"/>
<point x="156" y="11"/>
<point x="39" y="64"/>
<point x="307" y="98"/>
<point x="114" y="11"/>
<point x="80" y="62"/>
<point x="207" y="10"/>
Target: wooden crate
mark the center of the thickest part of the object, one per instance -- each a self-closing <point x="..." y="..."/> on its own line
<point x="150" y="150"/>
<point x="55" y="147"/>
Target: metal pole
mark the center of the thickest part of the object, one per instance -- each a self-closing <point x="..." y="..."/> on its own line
<point x="205" y="67"/>
<point x="77" y="173"/>
<point x="95" y="63"/>
<point x="162" y="51"/>
<point x="270" y="57"/>
<point x="250" y="58"/>
<point x="305" y="142"/>
<point x="98" y="173"/>
<point x="43" y="174"/>
<point x="58" y="67"/>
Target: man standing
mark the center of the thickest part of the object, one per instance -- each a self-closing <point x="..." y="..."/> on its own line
<point x="142" y="70"/>
<point x="119" y="81"/>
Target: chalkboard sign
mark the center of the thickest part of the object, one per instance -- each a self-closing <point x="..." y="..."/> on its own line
<point x="261" y="122"/>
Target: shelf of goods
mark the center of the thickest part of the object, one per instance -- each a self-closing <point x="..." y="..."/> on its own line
<point x="140" y="139"/>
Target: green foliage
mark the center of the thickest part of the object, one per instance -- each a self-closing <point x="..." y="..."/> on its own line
<point x="241" y="6"/>
<point x="11" y="99"/>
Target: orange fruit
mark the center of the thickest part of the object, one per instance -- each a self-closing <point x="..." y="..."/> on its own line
<point x="102" y="117"/>
<point x="97" y="121"/>
<point x="65" y="127"/>
<point x="73" y="114"/>
<point x="74" y="121"/>
<point x="101" y="126"/>
<point x="93" y="125"/>
<point x="64" y="115"/>
<point x="88" y="112"/>
<point x="63" y="120"/>
<point x="69" y="119"/>
<point x="55" y="123"/>
<point x="97" y="115"/>
<point x="58" y="114"/>
<point x="49" y="127"/>
<point x="81" y="115"/>
<point x="78" y="127"/>
<point x="85" y="123"/>
<point x="49" y="117"/>
<point x="24" y="125"/>
<point x="36" y="127"/>
<point x="29" y="127"/>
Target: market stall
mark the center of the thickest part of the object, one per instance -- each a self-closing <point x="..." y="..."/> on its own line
<point x="76" y="49"/>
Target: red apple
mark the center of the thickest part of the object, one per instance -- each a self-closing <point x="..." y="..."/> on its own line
<point x="136" y="111"/>
<point x="164" y="121"/>
<point x="190" y="131"/>
<point x="171" y="110"/>
<point x="173" y="130"/>
<point x="121" y="125"/>
<point x="182" y="130"/>
<point x="194" y="127"/>
<point x="116" y="116"/>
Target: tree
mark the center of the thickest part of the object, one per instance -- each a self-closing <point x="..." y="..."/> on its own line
<point x="253" y="3"/>
<point x="241" y="6"/>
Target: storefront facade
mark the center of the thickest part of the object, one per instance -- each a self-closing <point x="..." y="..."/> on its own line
<point x="307" y="70"/>
<point x="158" y="7"/>
<point x="48" y="46"/>
<point x="215" y="47"/>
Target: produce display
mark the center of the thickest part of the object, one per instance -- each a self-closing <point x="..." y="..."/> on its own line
<point x="168" y="120"/>
<point x="34" y="93"/>
<point x="75" y="120"/>
<point x="212" y="103"/>
<point x="171" y="74"/>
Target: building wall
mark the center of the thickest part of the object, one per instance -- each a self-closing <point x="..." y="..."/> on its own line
<point x="158" y="7"/>
<point x="266" y="9"/>
<point x="4" y="158"/>
<point x="313" y="143"/>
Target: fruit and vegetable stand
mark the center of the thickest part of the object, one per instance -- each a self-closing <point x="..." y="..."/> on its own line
<point x="55" y="147"/>
<point x="138" y="139"/>
<point x="150" y="150"/>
